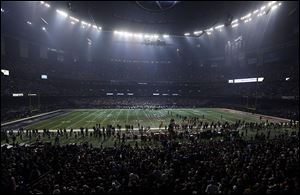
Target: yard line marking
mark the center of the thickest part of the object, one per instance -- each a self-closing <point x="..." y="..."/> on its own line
<point x="121" y="110"/>
<point x="107" y="116"/>
<point x="127" y="116"/>
<point x="96" y="116"/>
<point x="71" y="117"/>
<point x="151" y="124"/>
<point x="74" y="125"/>
<point x="43" y="124"/>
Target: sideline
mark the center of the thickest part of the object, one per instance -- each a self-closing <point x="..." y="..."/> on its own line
<point x="31" y="117"/>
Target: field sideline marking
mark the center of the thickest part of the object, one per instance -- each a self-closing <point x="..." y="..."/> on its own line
<point x="35" y="116"/>
<point x="40" y="125"/>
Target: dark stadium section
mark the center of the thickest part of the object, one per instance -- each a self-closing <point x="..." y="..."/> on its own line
<point x="121" y="97"/>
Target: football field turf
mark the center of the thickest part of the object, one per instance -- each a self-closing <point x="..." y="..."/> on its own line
<point x="87" y="118"/>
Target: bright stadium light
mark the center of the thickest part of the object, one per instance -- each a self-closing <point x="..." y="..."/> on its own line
<point x="287" y="78"/>
<point x="130" y="35"/>
<point x="166" y="36"/>
<point x="47" y="5"/>
<point x="62" y="13"/>
<point x="197" y="32"/>
<point x="186" y="34"/>
<point x="208" y="33"/>
<point x="72" y="22"/>
<point x="2" y="10"/>
<point x="138" y="35"/>
<point x="44" y="28"/>
<point x="260" y="79"/>
<point x="17" y="94"/>
<point x="42" y="2"/>
<point x="84" y="23"/>
<point x="99" y="28"/>
<point x="255" y="11"/>
<point x="271" y="3"/>
<point x="28" y="22"/>
<point x="155" y="36"/>
<point x="279" y="4"/>
<point x="74" y="19"/>
<point x="249" y="80"/>
<point x="274" y="7"/>
<point x="248" y="20"/>
<point x="246" y="16"/>
<point x="262" y="8"/>
<point x="147" y="36"/>
<point x="95" y="27"/>
<point x="220" y="26"/>
<point x="5" y="72"/>
<point x="234" y="25"/>
<point x="234" y="21"/>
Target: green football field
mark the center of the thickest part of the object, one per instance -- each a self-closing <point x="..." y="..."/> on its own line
<point x="87" y="118"/>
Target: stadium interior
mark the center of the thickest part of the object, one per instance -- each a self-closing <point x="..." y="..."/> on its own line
<point x="119" y="97"/>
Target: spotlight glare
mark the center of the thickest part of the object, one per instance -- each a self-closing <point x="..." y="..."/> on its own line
<point x="271" y="3"/>
<point x="47" y="5"/>
<point x="208" y="33"/>
<point x="166" y="36"/>
<point x="2" y="10"/>
<point x="235" y="21"/>
<point x="274" y="7"/>
<point x="220" y="26"/>
<point x="42" y="2"/>
<point x="139" y="35"/>
<point x="43" y="28"/>
<point x="186" y="34"/>
<point x="234" y="25"/>
<point x="198" y="32"/>
<point x="99" y="28"/>
<point x="95" y="27"/>
<point x="62" y="13"/>
<point x="263" y="7"/>
<point x="255" y="11"/>
<point x="246" y="16"/>
<point x="72" y="22"/>
<point x="74" y="19"/>
<point x="28" y="22"/>
<point x="248" y="20"/>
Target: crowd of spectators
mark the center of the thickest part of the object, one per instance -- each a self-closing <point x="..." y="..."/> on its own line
<point x="231" y="166"/>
